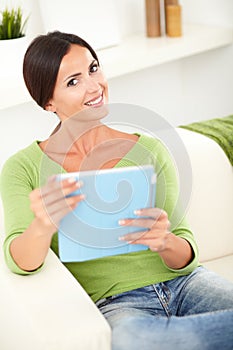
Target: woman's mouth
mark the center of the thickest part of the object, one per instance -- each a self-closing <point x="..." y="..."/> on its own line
<point x="96" y="102"/>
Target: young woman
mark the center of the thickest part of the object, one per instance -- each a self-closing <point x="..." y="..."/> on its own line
<point x="153" y="299"/>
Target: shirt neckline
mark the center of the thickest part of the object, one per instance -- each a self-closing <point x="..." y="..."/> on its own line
<point x="118" y="164"/>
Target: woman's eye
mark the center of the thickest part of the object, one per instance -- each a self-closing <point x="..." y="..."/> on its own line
<point x="72" y="82"/>
<point x="94" y="68"/>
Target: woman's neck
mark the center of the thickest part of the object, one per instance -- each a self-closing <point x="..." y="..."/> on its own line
<point x="93" y="147"/>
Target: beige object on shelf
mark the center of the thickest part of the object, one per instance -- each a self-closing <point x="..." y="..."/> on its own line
<point x="173" y="16"/>
<point x="153" y="27"/>
<point x="171" y="2"/>
<point x="166" y="3"/>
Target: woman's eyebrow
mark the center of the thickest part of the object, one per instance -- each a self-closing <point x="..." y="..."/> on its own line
<point x="77" y="74"/>
<point x="72" y="76"/>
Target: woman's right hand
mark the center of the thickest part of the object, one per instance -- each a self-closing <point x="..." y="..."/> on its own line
<point x="50" y="204"/>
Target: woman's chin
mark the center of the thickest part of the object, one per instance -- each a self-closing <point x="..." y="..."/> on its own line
<point x="90" y="114"/>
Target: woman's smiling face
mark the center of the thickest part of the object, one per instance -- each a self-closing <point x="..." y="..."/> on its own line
<point x="80" y="84"/>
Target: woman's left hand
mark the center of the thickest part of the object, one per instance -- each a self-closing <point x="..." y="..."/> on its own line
<point x="156" y="224"/>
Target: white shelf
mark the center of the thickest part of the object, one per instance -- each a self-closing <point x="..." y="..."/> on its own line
<point x="136" y="53"/>
<point x="139" y="52"/>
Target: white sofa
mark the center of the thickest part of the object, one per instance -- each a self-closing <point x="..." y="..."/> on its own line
<point x="50" y="310"/>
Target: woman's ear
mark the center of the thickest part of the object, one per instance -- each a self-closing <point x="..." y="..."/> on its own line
<point x="50" y="107"/>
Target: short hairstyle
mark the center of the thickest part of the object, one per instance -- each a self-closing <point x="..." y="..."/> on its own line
<point x="42" y="61"/>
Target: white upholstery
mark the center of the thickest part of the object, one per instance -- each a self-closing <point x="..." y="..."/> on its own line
<point x="50" y="310"/>
<point x="211" y="206"/>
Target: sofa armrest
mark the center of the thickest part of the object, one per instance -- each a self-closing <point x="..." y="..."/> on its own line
<point x="49" y="311"/>
<point x="210" y="208"/>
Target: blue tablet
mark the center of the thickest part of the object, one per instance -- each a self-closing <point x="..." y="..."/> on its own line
<point x="92" y="229"/>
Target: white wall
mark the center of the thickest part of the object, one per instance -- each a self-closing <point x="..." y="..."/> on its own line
<point x="183" y="91"/>
<point x="187" y="90"/>
<point x="30" y="8"/>
<point x="190" y="89"/>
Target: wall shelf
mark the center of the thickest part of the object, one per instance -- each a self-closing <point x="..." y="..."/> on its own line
<point x="139" y="52"/>
<point x="136" y="53"/>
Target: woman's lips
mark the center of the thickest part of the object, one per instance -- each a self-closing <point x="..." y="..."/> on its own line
<point x="95" y="102"/>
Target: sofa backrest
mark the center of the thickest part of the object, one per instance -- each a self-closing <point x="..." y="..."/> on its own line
<point x="19" y="126"/>
<point x="22" y="124"/>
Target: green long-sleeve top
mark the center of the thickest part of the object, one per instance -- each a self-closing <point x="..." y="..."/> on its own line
<point x="29" y="169"/>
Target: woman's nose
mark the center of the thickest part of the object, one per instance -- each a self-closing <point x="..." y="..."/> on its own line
<point x="92" y="84"/>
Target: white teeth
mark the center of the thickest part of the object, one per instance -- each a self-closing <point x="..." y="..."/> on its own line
<point x="95" y="102"/>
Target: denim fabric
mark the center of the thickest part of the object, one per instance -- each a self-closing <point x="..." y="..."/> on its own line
<point x="193" y="312"/>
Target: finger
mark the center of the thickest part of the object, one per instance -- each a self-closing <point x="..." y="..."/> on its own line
<point x="132" y="237"/>
<point x="154" y="234"/>
<point x="66" y="206"/>
<point x="52" y="187"/>
<point x="59" y="193"/>
<point x="155" y="213"/>
<point x="161" y="220"/>
<point x="34" y="195"/>
<point x="60" y="212"/>
<point x="41" y="205"/>
<point x="141" y="235"/>
<point x="155" y="245"/>
<point x="146" y="223"/>
<point x="64" y="187"/>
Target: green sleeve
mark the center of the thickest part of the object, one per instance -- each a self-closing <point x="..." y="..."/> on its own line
<point x="16" y="184"/>
<point x="167" y="198"/>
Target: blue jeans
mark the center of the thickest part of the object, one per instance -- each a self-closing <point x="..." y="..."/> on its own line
<point x="193" y="312"/>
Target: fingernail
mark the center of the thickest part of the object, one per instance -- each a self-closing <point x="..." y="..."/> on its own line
<point x="79" y="184"/>
<point x="121" y="238"/>
<point x="72" y="180"/>
<point x="137" y="212"/>
<point x="121" y="222"/>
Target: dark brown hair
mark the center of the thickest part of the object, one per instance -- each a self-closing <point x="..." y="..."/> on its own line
<point x="42" y="61"/>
